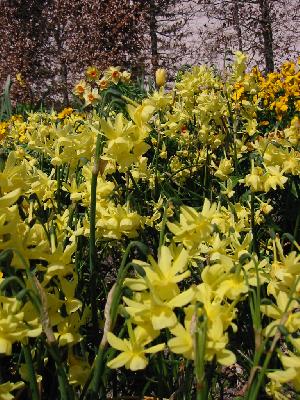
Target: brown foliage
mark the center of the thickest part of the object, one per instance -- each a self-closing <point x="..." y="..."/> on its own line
<point x="51" y="42"/>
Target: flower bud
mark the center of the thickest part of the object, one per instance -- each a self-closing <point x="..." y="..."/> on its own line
<point x="160" y="77"/>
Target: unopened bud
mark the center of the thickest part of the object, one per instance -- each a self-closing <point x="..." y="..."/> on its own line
<point x="160" y="77"/>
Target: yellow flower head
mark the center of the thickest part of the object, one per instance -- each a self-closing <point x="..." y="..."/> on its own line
<point x="103" y="83"/>
<point x="65" y="112"/>
<point x="113" y="74"/>
<point x="91" y="96"/>
<point x="133" y="350"/>
<point x="125" y="76"/>
<point x="79" y="88"/>
<point x="20" y="79"/>
<point x="92" y="73"/>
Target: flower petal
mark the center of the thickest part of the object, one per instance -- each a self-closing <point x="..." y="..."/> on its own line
<point x="116" y="342"/>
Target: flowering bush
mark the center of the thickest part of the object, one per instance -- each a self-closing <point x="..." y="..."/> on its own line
<point x="154" y="230"/>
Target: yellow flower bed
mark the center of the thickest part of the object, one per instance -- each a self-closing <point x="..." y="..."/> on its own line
<point x="154" y="230"/>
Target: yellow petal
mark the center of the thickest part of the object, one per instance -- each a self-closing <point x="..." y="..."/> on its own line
<point x="138" y="362"/>
<point x="283" y="376"/>
<point x="291" y="362"/>
<point x="119" y="361"/>
<point x="165" y="260"/>
<point x="5" y="346"/>
<point x="156" y="348"/>
<point x="271" y="311"/>
<point x="10" y="198"/>
<point x="226" y="357"/>
<point x="116" y="342"/>
<point x="182" y="299"/>
<point x="162" y="317"/>
<point x="180" y="263"/>
<point x="181" y="345"/>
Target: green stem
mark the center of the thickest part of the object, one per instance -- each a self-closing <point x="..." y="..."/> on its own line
<point x="163" y="226"/>
<point x="92" y="239"/>
<point x="94" y="386"/>
<point x="2" y="160"/>
<point x="66" y="392"/>
<point x="200" y="344"/>
<point x="58" y="192"/>
<point x="34" y="391"/>
<point x="296" y="230"/>
<point x="254" y="390"/>
<point x="236" y="163"/>
<point x="97" y="375"/>
<point x="253" y="227"/>
<point x="133" y="181"/>
<point x="121" y="276"/>
<point x="206" y="170"/>
<point x="156" y="167"/>
<point x="42" y="157"/>
<point x="130" y="101"/>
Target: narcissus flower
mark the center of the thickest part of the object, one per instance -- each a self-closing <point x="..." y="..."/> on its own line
<point x="92" y="73"/>
<point x="79" y="88"/>
<point x="291" y="364"/>
<point x="164" y="274"/>
<point x="13" y="327"/>
<point x="79" y="370"/>
<point x="133" y="351"/>
<point x="125" y="76"/>
<point x="193" y="227"/>
<point x="103" y="83"/>
<point x="7" y="387"/>
<point x="274" y="178"/>
<point x="91" y="96"/>
<point x="65" y="112"/>
<point x="284" y="313"/>
<point x="225" y="169"/>
<point x="157" y="311"/>
<point x="113" y="74"/>
<point x="20" y="79"/>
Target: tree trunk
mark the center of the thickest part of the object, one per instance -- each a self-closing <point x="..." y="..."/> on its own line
<point x="153" y="35"/>
<point x="237" y="25"/>
<point x="267" y="33"/>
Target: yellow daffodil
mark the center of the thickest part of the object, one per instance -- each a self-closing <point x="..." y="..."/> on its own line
<point x="283" y="314"/>
<point x="7" y="387"/>
<point x="193" y="227"/>
<point x="80" y="88"/>
<point x="91" y="96"/>
<point x="133" y="351"/>
<point x="92" y="73"/>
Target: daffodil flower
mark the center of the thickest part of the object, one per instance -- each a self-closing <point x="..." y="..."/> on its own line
<point x="193" y="227"/>
<point x="7" y="387"/>
<point x="160" y="313"/>
<point x="164" y="274"/>
<point x="277" y="312"/>
<point x="133" y="351"/>
<point x="291" y="364"/>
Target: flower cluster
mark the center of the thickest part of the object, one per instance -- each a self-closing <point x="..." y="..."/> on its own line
<point x="207" y="175"/>
<point x="90" y="89"/>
